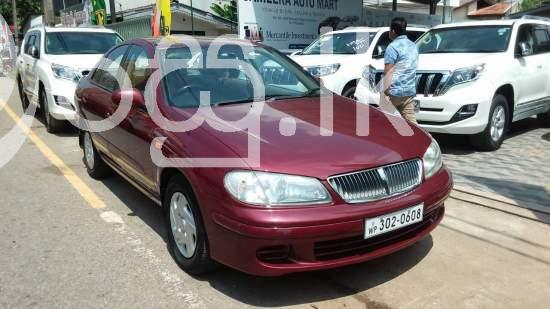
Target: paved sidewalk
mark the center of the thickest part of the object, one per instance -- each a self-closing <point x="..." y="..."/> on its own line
<point x="519" y="171"/>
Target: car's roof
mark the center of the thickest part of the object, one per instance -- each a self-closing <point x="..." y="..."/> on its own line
<point x="500" y="22"/>
<point x="372" y="29"/>
<point x="79" y="29"/>
<point x="203" y="41"/>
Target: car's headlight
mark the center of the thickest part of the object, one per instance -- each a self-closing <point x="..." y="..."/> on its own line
<point x="63" y="72"/>
<point x="323" y="70"/>
<point x="462" y="76"/>
<point x="432" y="160"/>
<point x="270" y="189"/>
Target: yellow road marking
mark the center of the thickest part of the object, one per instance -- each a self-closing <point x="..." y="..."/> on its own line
<point x="83" y="189"/>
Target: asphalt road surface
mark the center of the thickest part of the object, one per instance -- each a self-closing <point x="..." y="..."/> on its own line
<point x="67" y="241"/>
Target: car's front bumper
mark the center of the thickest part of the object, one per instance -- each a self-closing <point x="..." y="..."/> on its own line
<point x="61" y="103"/>
<point x="437" y="112"/>
<point x="322" y="237"/>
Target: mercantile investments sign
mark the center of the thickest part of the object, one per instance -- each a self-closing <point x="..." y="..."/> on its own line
<point x="293" y="24"/>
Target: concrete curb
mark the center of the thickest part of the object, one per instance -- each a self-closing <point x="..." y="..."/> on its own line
<point x="478" y="198"/>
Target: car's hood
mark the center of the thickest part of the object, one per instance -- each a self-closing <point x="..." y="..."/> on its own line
<point x="81" y="62"/>
<point x="446" y="62"/>
<point x="309" y="153"/>
<point x="314" y="60"/>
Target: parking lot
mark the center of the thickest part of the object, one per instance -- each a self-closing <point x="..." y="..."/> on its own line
<point x="69" y="241"/>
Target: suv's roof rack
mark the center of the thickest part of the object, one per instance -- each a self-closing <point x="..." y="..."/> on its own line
<point x="535" y="17"/>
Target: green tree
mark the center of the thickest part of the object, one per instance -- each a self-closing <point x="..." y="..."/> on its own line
<point x="227" y="11"/>
<point x="531" y="4"/>
<point x="25" y="9"/>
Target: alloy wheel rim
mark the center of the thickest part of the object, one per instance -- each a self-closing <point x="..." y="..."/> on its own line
<point x="182" y="224"/>
<point x="498" y="123"/>
<point x="89" y="150"/>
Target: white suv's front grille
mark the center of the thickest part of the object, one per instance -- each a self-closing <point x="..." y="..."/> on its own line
<point x="427" y="83"/>
<point x="378" y="183"/>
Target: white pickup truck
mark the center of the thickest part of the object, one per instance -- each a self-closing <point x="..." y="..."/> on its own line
<point x="50" y="64"/>
<point x="476" y="78"/>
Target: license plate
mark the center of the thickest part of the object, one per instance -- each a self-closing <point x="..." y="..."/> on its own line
<point x="394" y="221"/>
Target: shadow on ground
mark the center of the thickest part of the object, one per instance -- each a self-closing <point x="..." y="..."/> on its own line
<point x="288" y="290"/>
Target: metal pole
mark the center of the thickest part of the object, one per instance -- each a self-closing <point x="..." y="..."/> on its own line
<point x="15" y="25"/>
<point x="444" y="12"/>
<point x="112" y="8"/>
<point x="394" y="5"/>
<point x="192" y="20"/>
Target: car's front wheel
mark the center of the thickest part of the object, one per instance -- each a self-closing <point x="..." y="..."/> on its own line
<point x="52" y="125"/>
<point x="349" y="92"/>
<point x="544" y="117"/>
<point x="492" y="137"/>
<point x="95" y="166"/>
<point x="22" y="95"/>
<point x="187" y="238"/>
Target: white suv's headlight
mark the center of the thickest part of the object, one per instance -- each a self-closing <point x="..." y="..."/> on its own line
<point x="270" y="189"/>
<point x="462" y="76"/>
<point x="433" y="161"/>
<point x="323" y="70"/>
<point x="63" y="72"/>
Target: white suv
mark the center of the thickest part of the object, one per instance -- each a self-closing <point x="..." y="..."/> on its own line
<point x="50" y="64"/>
<point x="476" y="78"/>
<point x="339" y="57"/>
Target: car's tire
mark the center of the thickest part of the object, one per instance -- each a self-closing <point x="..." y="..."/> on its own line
<point x="544" y="118"/>
<point x="95" y="166"/>
<point x="22" y="95"/>
<point x="349" y="92"/>
<point x="184" y="222"/>
<point x="52" y="125"/>
<point x="497" y="126"/>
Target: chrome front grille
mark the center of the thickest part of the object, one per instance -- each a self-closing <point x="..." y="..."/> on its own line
<point x="427" y="83"/>
<point x="378" y="183"/>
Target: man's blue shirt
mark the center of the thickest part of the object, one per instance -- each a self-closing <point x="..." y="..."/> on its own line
<point x="403" y="54"/>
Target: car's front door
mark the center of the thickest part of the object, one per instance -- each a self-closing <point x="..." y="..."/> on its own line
<point x="131" y="140"/>
<point x="96" y="100"/>
<point x="30" y="76"/>
<point x="532" y="77"/>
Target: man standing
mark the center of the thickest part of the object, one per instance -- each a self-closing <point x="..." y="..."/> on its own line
<point x="401" y="61"/>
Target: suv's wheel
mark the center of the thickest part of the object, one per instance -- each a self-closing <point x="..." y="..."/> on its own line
<point x="52" y="125"/>
<point x="187" y="238"/>
<point x="95" y="165"/>
<point x="22" y="95"/>
<point x="544" y="117"/>
<point x="492" y="137"/>
<point x="349" y="92"/>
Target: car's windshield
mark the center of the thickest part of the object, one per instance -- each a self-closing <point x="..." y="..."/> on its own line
<point x="78" y="43"/>
<point x="482" y="39"/>
<point x="347" y="43"/>
<point x="189" y="75"/>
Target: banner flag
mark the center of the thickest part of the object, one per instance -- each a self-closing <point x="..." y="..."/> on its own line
<point x="162" y="18"/>
<point x="99" y="13"/>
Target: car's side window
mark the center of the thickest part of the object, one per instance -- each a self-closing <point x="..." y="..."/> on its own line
<point x="37" y="40"/>
<point x="383" y="42"/>
<point x="109" y="68"/>
<point x="525" y="36"/>
<point x="414" y="35"/>
<point x="29" y="42"/>
<point x="542" y="39"/>
<point x="138" y="67"/>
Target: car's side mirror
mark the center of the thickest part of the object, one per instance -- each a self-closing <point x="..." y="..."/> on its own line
<point x="129" y="95"/>
<point x="525" y="49"/>
<point x="378" y="52"/>
<point x="34" y="52"/>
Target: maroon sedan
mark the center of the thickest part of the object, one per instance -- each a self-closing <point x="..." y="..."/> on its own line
<point x="311" y="202"/>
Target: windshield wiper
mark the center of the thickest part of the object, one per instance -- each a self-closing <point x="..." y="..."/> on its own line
<point x="249" y="100"/>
